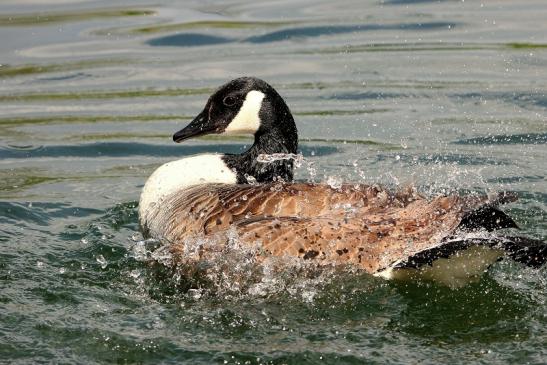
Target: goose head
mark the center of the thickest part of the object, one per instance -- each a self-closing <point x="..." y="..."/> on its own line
<point x="250" y="106"/>
<point x="246" y="106"/>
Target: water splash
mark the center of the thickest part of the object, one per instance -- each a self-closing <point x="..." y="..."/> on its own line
<point x="102" y="261"/>
<point x="201" y="268"/>
<point x="335" y="182"/>
<point x="270" y="158"/>
<point x="299" y="161"/>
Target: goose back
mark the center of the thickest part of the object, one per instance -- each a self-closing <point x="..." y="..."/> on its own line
<point x="363" y="225"/>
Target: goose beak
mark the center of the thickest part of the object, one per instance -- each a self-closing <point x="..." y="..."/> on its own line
<point x="198" y="127"/>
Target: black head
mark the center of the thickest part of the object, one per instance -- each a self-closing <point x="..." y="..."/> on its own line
<point x="249" y="106"/>
<point x="246" y="105"/>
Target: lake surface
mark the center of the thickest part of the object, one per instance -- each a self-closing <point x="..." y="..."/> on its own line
<point x="443" y="95"/>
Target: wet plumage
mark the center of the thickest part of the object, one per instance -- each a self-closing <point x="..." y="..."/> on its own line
<point x="214" y="197"/>
<point x="366" y="226"/>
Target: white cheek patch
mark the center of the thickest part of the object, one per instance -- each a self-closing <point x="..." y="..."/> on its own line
<point x="247" y="119"/>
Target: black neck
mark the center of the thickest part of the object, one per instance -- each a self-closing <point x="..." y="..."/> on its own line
<point x="281" y="137"/>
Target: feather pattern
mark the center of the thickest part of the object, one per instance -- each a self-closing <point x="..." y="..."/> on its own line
<point x="362" y="225"/>
<point x="383" y="232"/>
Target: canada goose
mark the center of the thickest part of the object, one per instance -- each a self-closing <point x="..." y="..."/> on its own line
<point x="389" y="234"/>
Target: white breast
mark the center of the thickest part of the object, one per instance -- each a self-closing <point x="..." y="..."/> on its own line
<point x="177" y="175"/>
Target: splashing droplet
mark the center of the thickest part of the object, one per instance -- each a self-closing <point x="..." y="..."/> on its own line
<point x="265" y="158"/>
<point x="102" y="261"/>
<point x="334" y="182"/>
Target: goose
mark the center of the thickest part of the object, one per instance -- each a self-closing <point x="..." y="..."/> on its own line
<point x="392" y="234"/>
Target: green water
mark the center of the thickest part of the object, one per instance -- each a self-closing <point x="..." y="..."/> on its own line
<point x="444" y="95"/>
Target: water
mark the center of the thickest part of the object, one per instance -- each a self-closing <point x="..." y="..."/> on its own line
<point x="443" y="95"/>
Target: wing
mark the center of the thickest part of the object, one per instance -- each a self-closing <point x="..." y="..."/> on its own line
<point x="356" y="224"/>
<point x="208" y="208"/>
<point x="372" y="242"/>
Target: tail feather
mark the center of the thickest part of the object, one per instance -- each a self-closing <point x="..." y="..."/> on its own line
<point x="487" y="217"/>
<point x="527" y="251"/>
<point x="457" y="259"/>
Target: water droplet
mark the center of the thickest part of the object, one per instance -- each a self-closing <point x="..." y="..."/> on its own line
<point x="334" y="182"/>
<point x="269" y="158"/>
<point x="102" y="261"/>
<point x="195" y="293"/>
<point x="135" y="274"/>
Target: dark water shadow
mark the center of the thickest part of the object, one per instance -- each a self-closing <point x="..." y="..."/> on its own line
<point x="515" y="179"/>
<point x="367" y="95"/>
<point x="484" y="312"/>
<point x="525" y="138"/>
<point x="435" y="159"/>
<point x="198" y="39"/>
<point x="41" y="213"/>
<point x="124" y="149"/>
<point x="72" y="76"/>
<point x="521" y="99"/>
<point x="407" y="2"/>
<point x="188" y="40"/>
<point x="309" y="32"/>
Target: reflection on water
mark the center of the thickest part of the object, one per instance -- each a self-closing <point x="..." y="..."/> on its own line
<point x="188" y="40"/>
<point x="196" y="39"/>
<point x="445" y="95"/>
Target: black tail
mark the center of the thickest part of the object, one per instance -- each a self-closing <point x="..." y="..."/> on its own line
<point x="527" y="251"/>
<point x="487" y="217"/>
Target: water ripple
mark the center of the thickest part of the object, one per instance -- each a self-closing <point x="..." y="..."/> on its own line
<point x="199" y="39"/>
<point x="123" y="149"/>
<point x="41" y="213"/>
<point x="317" y="31"/>
<point x="525" y="138"/>
<point x="188" y="40"/>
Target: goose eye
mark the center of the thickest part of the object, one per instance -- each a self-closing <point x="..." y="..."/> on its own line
<point x="229" y="101"/>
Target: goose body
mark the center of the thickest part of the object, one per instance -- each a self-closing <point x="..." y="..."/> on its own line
<point x="389" y="234"/>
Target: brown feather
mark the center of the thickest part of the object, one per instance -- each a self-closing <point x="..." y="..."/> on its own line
<point x="361" y="225"/>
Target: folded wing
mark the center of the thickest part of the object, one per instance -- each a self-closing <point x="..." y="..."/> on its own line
<point x="362" y="225"/>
